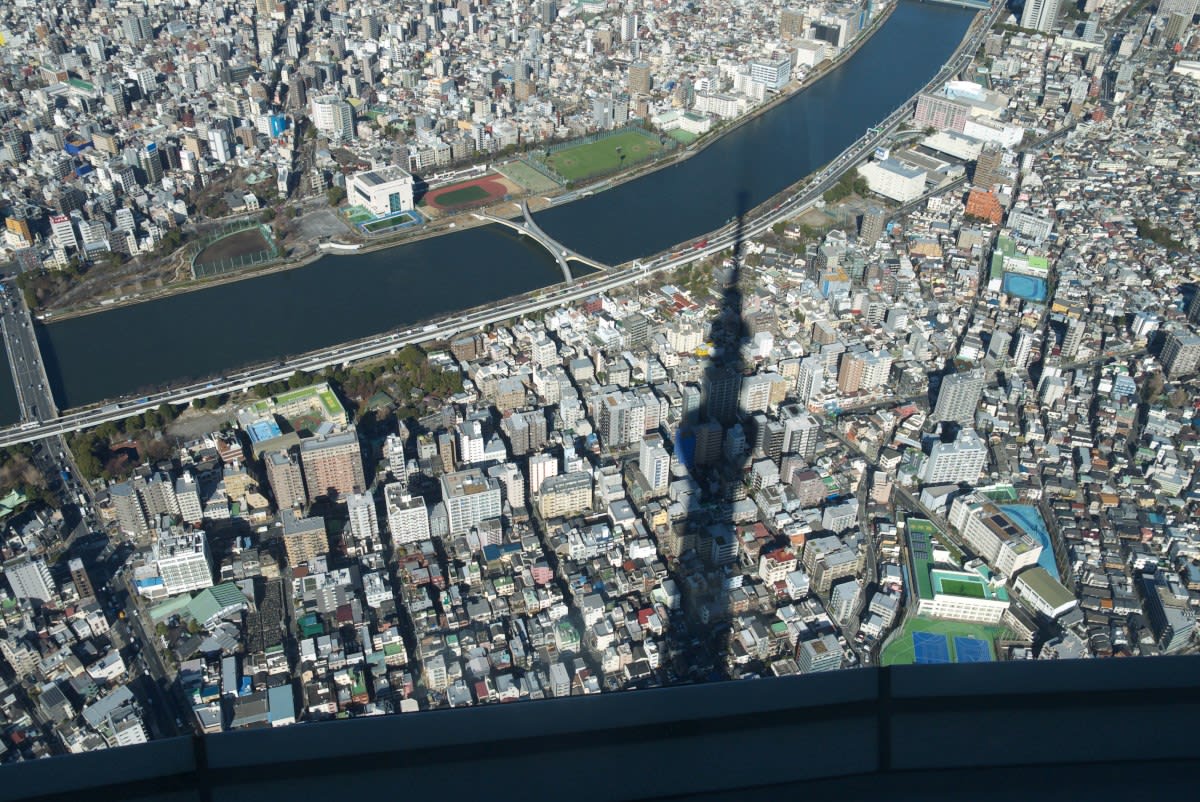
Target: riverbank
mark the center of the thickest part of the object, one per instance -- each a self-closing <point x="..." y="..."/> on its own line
<point x="310" y="253"/>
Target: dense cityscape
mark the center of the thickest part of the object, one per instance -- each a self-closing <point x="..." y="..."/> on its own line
<point x="946" y="412"/>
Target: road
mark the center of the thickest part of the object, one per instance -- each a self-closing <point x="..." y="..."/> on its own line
<point x="34" y="399"/>
<point x="806" y="195"/>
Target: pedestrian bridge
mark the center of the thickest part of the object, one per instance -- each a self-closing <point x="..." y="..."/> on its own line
<point x="560" y="252"/>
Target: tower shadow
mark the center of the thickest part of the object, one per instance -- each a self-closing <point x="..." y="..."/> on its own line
<point x="720" y="461"/>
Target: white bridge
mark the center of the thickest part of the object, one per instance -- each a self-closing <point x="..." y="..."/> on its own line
<point x="560" y="252"/>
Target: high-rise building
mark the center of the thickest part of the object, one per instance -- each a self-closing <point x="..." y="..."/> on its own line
<point x="526" y="431"/>
<point x="792" y="24"/>
<point x="137" y="30"/>
<point x="63" y="231"/>
<point x="471" y="441"/>
<point x="987" y="166"/>
<point x="1172" y="619"/>
<point x="30" y="579"/>
<point x="873" y="221"/>
<point x="810" y="379"/>
<point x="286" y="479"/>
<point x="408" y="520"/>
<point x="1040" y="15"/>
<point x="709" y="436"/>
<point x="512" y="482"/>
<point x="333" y="117"/>
<point x="1027" y="342"/>
<point x="639" y="78"/>
<point x="958" y="397"/>
<point x="655" y="463"/>
<point x="183" y="560"/>
<point x="1072" y="338"/>
<point x="1185" y="8"/>
<point x="80" y="578"/>
<point x="940" y="112"/>
<point x="801" y="431"/>
<point x="755" y="395"/>
<point x="541" y="468"/>
<point x="622" y="419"/>
<point x="151" y="163"/>
<point x="303" y="538"/>
<point x="470" y="497"/>
<point x="772" y="73"/>
<point x="131" y="516"/>
<point x="850" y="372"/>
<point x="960" y="461"/>
<point x="1194" y="309"/>
<point x="993" y="535"/>
<point x="1181" y="354"/>
<point x="333" y="464"/>
<point x="721" y="386"/>
<point x="565" y="495"/>
<point x="364" y="523"/>
<point x="187" y="497"/>
<point x="1173" y="31"/>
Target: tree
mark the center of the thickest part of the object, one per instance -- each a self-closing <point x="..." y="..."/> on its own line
<point x="335" y="196"/>
<point x="166" y="412"/>
<point x="267" y="215"/>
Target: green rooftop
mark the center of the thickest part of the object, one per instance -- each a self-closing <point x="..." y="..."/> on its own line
<point x="920" y="549"/>
<point x="10" y="502"/>
<point x="965" y="583"/>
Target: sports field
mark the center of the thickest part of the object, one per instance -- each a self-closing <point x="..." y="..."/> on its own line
<point x="522" y="174"/>
<point x="476" y="192"/>
<point x="457" y="197"/>
<point x="929" y="640"/>
<point x="957" y="587"/>
<point x="357" y="215"/>
<point x="606" y="156"/>
<point x="374" y="227"/>
<point x="245" y="247"/>
<point x="243" y="243"/>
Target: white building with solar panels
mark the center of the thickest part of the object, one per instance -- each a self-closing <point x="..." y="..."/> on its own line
<point x="384" y="191"/>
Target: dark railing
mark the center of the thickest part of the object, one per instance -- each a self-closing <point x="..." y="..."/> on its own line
<point x="886" y="730"/>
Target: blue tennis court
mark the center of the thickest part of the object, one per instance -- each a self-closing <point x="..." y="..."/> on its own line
<point x="929" y="648"/>
<point x="972" y="650"/>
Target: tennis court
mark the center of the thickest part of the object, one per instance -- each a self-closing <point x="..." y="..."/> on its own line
<point x="930" y="648"/>
<point x="970" y="650"/>
<point x="919" y="642"/>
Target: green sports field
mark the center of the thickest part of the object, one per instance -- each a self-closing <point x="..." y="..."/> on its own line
<point x="458" y="197"/>
<point x="900" y="651"/>
<point x="956" y="587"/>
<point x="606" y="156"/>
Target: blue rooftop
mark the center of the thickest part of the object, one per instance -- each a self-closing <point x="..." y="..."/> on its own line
<point x="1029" y="519"/>
<point x="263" y="430"/>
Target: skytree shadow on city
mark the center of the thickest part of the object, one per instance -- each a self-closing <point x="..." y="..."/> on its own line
<point x="717" y="450"/>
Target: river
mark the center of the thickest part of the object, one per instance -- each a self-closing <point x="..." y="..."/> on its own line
<point x="344" y="297"/>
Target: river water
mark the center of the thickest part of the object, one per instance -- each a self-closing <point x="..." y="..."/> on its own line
<point x="344" y="297"/>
